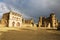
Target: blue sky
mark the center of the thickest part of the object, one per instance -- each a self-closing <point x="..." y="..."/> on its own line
<point x="1" y="0"/>
<point x="35" y="8"/>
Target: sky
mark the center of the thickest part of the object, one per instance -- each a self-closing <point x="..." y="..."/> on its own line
<point x="34" y="8"/>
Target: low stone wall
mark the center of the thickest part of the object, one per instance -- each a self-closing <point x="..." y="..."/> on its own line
<point x="29" y="26"/>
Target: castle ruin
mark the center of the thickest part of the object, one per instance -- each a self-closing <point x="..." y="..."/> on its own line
<point x="11" y="19"/>
<point x="50" y="21"/>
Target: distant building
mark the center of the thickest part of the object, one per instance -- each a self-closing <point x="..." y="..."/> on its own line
<point x="50" y="21"/>
<point x="11" y="19"/>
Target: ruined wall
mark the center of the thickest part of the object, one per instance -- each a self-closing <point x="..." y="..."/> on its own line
<point x="28" y="23"/>
<point x="49" y="21"/>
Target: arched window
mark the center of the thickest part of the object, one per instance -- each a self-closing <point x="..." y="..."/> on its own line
<point x="18" y="24"/>
<point x="13" y="23"/>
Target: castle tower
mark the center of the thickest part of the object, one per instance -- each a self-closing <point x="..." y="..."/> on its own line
<point x="40" y="21"/>
<point x="53" y="19"/>
<point x="12" y="19"/>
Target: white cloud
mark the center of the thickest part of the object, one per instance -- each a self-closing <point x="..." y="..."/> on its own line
<point x="3" y="8"/>
<point x="29" y="6"/>
<point x="6" y="8"/>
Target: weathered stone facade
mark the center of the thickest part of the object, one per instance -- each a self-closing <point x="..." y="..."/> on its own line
<point x="11" y="19"/>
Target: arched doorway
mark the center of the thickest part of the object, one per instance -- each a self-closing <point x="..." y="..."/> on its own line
<point x="13" y="23"/>
<point x="18" y="24"/>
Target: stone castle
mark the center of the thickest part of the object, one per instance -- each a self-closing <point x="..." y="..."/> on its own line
<point x="13" y="19"/>
<point x="50" y="22"/>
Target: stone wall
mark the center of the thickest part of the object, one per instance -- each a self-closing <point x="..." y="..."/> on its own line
<point x="28" y="23"/>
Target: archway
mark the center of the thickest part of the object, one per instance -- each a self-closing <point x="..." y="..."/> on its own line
<point x="18" y="24"/>
<point x="13" y="23"/>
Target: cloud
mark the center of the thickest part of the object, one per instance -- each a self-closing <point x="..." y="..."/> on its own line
<point x="35" y="8"/>
<point x="3" y="8"/>
<point x="6" y="8"/>
<point x="17" y="11"/>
